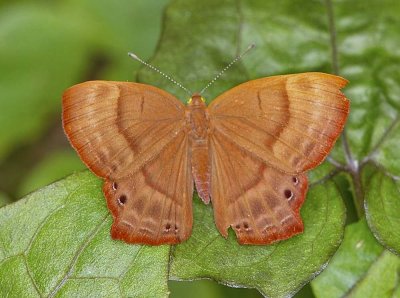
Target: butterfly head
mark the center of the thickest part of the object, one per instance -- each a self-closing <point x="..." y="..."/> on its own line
<point x="197" y="101"/>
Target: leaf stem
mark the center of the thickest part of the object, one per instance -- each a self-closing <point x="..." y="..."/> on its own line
<point x="352" y="164"/>
<point x="327" y="177"/>
<point x="336" y="163"/>
<point x="358" y="196"/>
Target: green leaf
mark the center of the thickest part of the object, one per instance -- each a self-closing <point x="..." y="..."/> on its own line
<point x="387" y="150"/>
<point x="383" y="209"/>
<point x="381" y="280"/>
<point x="367" y="58"/>
<point x="275" y="270"/>
<point x="360" y="268"/>
<point x="56" y="243"/>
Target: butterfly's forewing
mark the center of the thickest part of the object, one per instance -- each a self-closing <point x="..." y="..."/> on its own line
<point x="133" y="136"/>
<point x="265" y="134"/>
<point x="117" y="127"/>
<point x="291" y="122"/>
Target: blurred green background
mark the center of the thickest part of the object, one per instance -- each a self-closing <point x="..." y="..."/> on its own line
<point x="47" y="46"/>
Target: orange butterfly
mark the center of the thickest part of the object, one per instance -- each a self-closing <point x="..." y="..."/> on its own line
<point x="247" y="152"/>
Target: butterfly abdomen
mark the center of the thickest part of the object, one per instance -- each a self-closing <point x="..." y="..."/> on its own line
<point x="201" y="171"/>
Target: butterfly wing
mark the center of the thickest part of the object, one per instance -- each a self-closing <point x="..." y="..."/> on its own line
<point x="290" y="122"/>
<point x="260" y="203"/>
<point x="154" y="205"/>
<point x="133" y="136"/>
<point x="265" y="134"/>
<point x="117" y="127"/>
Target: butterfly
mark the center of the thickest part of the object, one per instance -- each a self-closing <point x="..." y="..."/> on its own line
<point x="247" y="152"/>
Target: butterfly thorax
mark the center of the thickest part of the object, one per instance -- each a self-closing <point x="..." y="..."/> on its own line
<point x="197" y="118"/>
<point x="197" y="121"/>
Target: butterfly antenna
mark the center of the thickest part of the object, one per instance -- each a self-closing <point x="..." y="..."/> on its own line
<point x="228" y="66"/>
<point x="135" y="57"/>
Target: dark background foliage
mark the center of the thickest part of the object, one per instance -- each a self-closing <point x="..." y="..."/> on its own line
<point x="55" y="241"/>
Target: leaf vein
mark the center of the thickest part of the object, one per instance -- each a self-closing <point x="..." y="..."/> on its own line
<point x="77" y="255"/>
